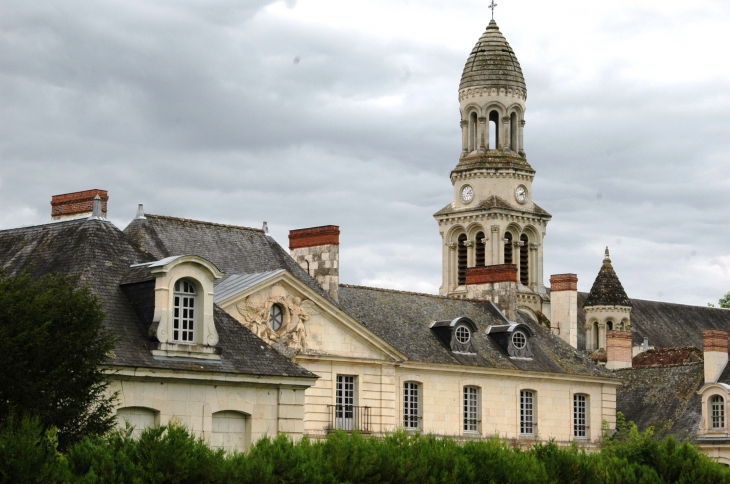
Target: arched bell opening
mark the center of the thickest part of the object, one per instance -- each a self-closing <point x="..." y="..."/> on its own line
<point x="480" y="256"/>
<point x="493" y="131"/>
<point x="508" y="248"/>
<point x="461" y="259"/>
<point x="524" y="260"/>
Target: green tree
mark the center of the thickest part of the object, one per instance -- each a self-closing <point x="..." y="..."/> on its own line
<point x="52" y="342"/>
<point x="725" y="301"/>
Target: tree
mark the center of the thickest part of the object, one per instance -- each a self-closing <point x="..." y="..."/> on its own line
<point x="52" y="342"/>
<point x="724" y="302"/>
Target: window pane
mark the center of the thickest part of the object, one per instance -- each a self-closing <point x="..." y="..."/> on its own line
<point x="470" y="409"/>
<point x="526" y="412"/>
<point x="410" y="405"/>
<point x="579" y="416"/>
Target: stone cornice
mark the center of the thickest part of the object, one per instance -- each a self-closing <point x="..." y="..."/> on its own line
<point x="492" y="91"/>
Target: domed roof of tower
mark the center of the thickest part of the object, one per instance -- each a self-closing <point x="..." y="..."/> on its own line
<point x="492" y="63"/>
<point x="607" y="289"/>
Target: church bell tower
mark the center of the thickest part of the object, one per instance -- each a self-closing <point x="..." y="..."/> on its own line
<point x="493" y="231"/>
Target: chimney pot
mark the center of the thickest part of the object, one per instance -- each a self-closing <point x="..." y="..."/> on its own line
<point x="140" y="212"/>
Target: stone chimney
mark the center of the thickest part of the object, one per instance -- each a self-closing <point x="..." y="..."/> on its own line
<point x="564" y="307"/>
<point x="317" y="251"/>
<point x="618" y="349"/>
<point x="715" y="343"/>
<point x="496" y="283"/>
<point x="77" y="204"/>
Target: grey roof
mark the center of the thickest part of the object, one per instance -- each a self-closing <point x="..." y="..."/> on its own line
<point x="665" y="395"/>
<point x="492" y="63"/>
<point x="496" y="203"/>
<point x="101" y="255"/>
<point x="233" y="249"/>
<point x="403" y="320"/>
<point x="665" y="324"/>
<point x="607" y="289"/>
<point x="238" y="283"/>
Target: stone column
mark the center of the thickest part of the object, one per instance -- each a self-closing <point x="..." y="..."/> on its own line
<point x="496" y="246"/>
<point x="601" y="334"/>
<point x="452" y="266"/>
<point x="470" y="253"/>
<point x="532" y="261"/>
<point x="464" y="137"/>
<point x="483" y="135"/>
<point x="522" y="137"/>
<point x="504" y="140"/>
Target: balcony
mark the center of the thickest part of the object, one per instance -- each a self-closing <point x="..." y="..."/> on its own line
<point x="349" y="418"/>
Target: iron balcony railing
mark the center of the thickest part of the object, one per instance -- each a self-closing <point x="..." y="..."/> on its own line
<point x="349" y="418"/>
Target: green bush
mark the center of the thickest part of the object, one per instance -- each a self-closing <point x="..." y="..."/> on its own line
<point x="171" y="454"/>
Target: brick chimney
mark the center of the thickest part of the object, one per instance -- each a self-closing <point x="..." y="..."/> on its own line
<point x="317" y="251"/>
<point x="77" y="204"/>
<point x="564" y="307"/>
<point x="715" y="343"/>
<point x="618" y="349"/>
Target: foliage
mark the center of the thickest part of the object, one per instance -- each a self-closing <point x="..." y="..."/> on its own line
<point x="52" y="340"/>
<point x="171" y="454"/>
<point x="724" y="302"/>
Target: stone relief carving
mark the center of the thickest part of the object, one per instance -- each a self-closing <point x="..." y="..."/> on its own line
<point x="291" y="336"/>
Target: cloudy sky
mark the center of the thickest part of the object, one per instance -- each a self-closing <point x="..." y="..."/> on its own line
<point x="313" y="112"/>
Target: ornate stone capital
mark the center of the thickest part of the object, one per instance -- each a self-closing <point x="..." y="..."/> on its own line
<point x="464" y="123"/>
<point x="534" y="246"/>
<point x="468" y="243"/>
<point x="522" y="123"/>
<point x="484" y="240"/>
<point x="452" y="245"/>
<point x="483" y="119"/>
<point x="495" y="228"/>
<point x="505" y="119"/>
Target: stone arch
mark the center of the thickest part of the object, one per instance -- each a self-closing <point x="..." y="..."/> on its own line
<point x="494" y="112"/>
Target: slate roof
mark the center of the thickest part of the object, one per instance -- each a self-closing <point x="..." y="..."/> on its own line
<point x="607" y="289"/>
<point x="492" y="203"/>
<point x="403" y="319"/>
<point x="666" y="394"/>
<point x="665" y="324"/>
<point x="233" y="249"/>
<point x="101" y="255"/>
<point x="492" y="63"/>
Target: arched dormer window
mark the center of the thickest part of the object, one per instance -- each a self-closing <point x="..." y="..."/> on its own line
<point x="493" y="130"/>
<point x="184" y="312"/>
<point x="461" y="259"/>
<point x="717" y="412"/>
<point x="508" y="248"/>
<point x="473" y="131"/>
<point x="480" y="250"/>
<point x="524" y="260"/>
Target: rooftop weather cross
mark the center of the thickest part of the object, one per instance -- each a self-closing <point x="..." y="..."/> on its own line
<point x="492" y="6"/>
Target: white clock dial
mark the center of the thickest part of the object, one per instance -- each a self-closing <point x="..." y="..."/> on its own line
<point x="467" y="194"/>
<point x="521" y="194"/>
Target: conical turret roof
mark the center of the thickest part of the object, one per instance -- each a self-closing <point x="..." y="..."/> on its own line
<point x="492" y="63"/>
<point x="607" y="289"/>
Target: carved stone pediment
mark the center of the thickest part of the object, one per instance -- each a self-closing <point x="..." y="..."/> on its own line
<point x="290" y="338"/>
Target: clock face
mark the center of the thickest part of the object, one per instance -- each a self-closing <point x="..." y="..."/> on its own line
<point x="521" y="194"/>
<point x="467" y="194"/>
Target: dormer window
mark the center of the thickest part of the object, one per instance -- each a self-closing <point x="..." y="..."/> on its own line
<point x="276" y="317"/>
<point x="519" y="340"/>
<point x="463" y="335"/>
<point x="183" y="323"/>
<point x="717" y="409"/>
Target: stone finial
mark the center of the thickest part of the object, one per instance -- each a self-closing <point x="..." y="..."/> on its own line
<point x="140" y="212"/>
<point x="607" y="257"/>
<point x="265" y="227"/>
<point x="96" y="213"/>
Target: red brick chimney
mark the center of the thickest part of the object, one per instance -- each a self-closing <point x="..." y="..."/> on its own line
<point x="564" y="306"/>
<point x="317" y="251"/>
<point x="77" y="204"/>
<point x="716" y="344"/>
<point x="618" y="349"/>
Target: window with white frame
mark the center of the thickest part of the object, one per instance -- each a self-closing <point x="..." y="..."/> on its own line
<point x="345" y="402"/>
<point x="717" y="412"/>
<point x="527" y="412"/>
<point x="580" y="416"/>
<point x="471" y="409"/>
<point x="411" y="402"/>
<point x="184" y="309"/>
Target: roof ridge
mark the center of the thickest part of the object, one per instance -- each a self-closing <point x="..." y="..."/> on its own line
<point x="632" y="299"/>
<point x="203" y="222"/>
<point x="412" y="293"/>
<point x="55" y="222"/>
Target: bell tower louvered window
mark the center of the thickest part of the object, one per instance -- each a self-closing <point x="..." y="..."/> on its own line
<point x="508" y="248"/>
<point x="461" y="254"/>
<point x="480" y="250"/>
<point x="524" y="260"/>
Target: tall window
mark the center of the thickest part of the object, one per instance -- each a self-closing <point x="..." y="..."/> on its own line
<point x="345" y="402"/>
<point x="513" y="132"/>
<point x="524" y="260"/>
<point x="717" y="412"/>
<point x="183" y="322"/>
<point x="410" y="405"/>
<point x="471" y="409"/>
<point x="579" y="416"/>
<point x="480" y="250"/>
<point x="461" y="254"/>
<point x="473" y="132"/>
<point x="596" y="336"/>
<point x="527" y="412"/>
<point x="507" y="248"/>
